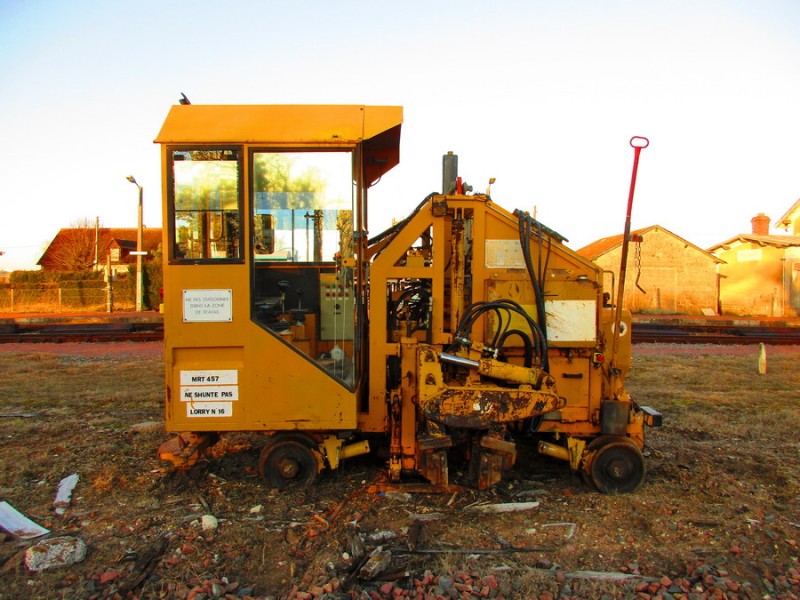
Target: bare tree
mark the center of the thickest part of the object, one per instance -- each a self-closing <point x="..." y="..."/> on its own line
<point x="74" y="249"/>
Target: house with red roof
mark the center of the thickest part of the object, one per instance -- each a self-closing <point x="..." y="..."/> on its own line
<point x="92" y="249"/>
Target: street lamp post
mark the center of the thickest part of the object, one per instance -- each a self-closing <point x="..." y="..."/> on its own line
<point x="139" y="251"/>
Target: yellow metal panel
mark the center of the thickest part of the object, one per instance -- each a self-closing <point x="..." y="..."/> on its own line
<point x="288" y="390"/>
<point x="277" y="124"/>
<point x="276" y="387"/>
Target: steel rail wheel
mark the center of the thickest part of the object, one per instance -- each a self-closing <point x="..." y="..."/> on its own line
<point x="288" y="460"/>
<point x="617" y="465"/>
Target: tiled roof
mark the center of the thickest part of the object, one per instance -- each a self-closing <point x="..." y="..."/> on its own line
<point x="596" y="249"/>
<point x="123" y="237"/>
<point x="778" y="241"/>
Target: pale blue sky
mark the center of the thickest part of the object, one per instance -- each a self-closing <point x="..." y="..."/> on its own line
<point x="542" y="95"/>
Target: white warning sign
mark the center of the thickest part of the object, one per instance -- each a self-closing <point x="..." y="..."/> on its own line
<point x="210" y="377"/>
<point x="209" y="392"/>
<point x="209" y="409"/>
<point x="207" y="306"/>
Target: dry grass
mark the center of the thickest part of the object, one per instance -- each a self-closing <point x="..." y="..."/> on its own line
<point x="722" y="475"/>
<point x="719" y="391"/>
<point x="119" y="383"/>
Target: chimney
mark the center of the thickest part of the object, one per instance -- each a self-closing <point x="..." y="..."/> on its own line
<point x="760" y="224"/>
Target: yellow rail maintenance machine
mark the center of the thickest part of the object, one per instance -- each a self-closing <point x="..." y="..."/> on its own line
<point x="458" y="332"/>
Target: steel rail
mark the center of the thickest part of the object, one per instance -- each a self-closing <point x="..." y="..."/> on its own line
<point x="643" y="333"/>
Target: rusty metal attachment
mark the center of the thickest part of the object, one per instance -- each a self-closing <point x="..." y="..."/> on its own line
<point x="185" y="449"/>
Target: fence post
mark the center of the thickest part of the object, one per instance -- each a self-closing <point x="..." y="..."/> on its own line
<point x="110" y="286"/>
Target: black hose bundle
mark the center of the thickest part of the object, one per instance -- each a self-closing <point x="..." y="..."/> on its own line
<point x="534" y="342"/>
<point x="526" y="233"/>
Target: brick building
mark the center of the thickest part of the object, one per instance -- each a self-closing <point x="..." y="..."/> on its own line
<point x="760" y="272"/>
<point x="665" y="273"/>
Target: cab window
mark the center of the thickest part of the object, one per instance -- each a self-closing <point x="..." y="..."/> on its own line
<point x="205" y="205"/>
<point x="302" y="206"/>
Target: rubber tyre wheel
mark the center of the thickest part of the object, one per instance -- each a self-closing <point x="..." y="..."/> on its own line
<point x="286" y="462"/>
<point x="617" y="467"/>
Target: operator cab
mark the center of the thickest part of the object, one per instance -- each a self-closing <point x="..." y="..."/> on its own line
<point x="266" y="265"/>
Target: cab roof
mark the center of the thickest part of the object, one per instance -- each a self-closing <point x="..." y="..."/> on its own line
<point x="292" y="127"/>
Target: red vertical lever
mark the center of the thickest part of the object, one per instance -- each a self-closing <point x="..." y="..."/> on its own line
<point x="637" y="143"/>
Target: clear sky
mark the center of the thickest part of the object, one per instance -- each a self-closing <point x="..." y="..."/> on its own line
<point x="542" y="95"/>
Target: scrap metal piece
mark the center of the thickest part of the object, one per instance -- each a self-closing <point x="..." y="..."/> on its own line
<point x="186" y="448"/>
<point x="18" y="525"/>
<point x="491" y="457"/>
<point x="64" y="493"/>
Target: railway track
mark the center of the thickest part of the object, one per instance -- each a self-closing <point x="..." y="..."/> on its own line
<point x="720" y="334"/>
<point x="642" y="333"/>
<point x="60" y="333"/>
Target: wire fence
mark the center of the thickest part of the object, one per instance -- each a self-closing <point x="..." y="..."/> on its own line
<point x="47" y="297"/>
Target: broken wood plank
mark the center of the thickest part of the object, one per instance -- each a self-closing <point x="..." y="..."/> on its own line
<point x="445" y="550"/>
<point x="414" y="488"/>
<point x="609" y="576"/>
<point x="504" y="507"/>
<point x="434" y="516"/>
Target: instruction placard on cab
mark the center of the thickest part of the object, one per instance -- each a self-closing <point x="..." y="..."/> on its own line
<point x="209" y="393"/>
<point x="207" y="306"/>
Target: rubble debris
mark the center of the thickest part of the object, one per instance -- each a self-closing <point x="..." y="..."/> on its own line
<point x="355" y="545"/>
<point x="18" y="525"/>
<point x="55" y="553"/>
<point x="414" y="535"/>
<point x="396" y="495"/>
<point x="145" y="565"/>
<point x="381" y="536"/>
<point x="209" y="522"/>
<point x="64" y="493"/>
<point x="376" y="564"/>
